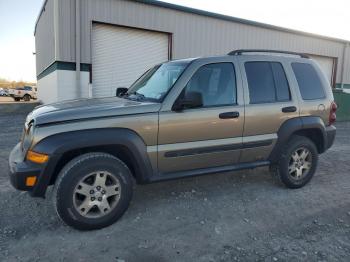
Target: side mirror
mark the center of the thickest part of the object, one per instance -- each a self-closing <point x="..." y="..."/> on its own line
<point x="121" y="91"/>
<point x="190" y="100"/>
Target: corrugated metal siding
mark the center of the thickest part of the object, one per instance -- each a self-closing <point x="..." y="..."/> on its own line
<point x="45" y="38"/>
<point x="114" y="66"/>
<point x="66" y="30"/>
<point x="193" y="35"/>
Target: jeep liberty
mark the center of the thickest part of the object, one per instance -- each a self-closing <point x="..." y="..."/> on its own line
<point x="247" y="109"/>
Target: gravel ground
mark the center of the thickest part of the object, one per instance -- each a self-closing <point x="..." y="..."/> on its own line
<point x="242" y="216"/>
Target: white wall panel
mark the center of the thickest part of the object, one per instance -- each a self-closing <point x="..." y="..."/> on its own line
<point x="60" y="85"/>
<point x="47" y="88"/>
<point x="120" y="55"/>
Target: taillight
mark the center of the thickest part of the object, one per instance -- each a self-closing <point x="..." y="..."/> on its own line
<point x="332" y="113"/>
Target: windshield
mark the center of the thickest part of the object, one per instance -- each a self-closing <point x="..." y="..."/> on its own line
<point x="156" y="82"/>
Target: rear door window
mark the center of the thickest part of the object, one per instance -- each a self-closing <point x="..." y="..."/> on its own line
<point x="309" y="82"/>
<point x="267" y="82"/>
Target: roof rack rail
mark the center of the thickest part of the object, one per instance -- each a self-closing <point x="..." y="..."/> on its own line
<point x="241" y="51"/>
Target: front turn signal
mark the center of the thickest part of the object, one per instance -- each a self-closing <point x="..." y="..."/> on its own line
<point x="30" y="180"/>
<point x="37" y="157"/>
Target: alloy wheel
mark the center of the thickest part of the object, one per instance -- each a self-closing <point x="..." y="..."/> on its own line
<point x="96" y="194"/>
<point x="300" y="163"/>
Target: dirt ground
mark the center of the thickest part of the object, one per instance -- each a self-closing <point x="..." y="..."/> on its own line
<point x="241" y="216"/>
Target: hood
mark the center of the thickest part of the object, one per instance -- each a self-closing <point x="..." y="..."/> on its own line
<point x="89" y="108"/>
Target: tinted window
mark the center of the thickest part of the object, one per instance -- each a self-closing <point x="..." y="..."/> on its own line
<point x="266" y="82"/>
<point x="281" y="83"/>
<point x="216" y="83"/>
<point x="309" y="82"/>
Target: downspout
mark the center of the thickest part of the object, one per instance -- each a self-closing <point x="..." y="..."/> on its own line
<point x="343" y="65"/>
<point x="56" y="28"/>
<point x="55" y="94"/>
<point x="77" y="48"/>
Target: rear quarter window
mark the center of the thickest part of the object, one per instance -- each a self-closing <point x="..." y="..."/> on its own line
<point x="309" y="82"/>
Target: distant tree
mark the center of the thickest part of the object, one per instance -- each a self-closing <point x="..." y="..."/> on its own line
<point x="13" y="84"/>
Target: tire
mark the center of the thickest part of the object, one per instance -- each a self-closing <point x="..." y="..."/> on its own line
<point x="26" y="98"/>
<point x="69" y="186"/>
<point x="292" y="168"/>
<point x="17" y="99"/>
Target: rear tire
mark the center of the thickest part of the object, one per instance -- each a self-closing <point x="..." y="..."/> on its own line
<point x="298" y="162"/>
<point x="93" y="191"/>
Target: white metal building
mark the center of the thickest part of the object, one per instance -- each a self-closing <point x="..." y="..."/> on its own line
<point x="90" y="47"/>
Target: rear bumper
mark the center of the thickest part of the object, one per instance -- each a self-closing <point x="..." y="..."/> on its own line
<point x="330" y="136"/>
<point x="19" y="169"/>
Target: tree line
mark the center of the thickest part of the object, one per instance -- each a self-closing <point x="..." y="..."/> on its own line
<point x="4" y="83"/>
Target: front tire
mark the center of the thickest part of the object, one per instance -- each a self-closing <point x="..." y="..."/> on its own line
<point x="26" y="98"/>
<point x="298" y="162"/>
<point x="93" y="191"/>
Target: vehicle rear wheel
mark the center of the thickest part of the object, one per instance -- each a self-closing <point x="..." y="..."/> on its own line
<point x="26" y="98"/>
<point x="298" y="162"/>
<point x="93" y="191"/>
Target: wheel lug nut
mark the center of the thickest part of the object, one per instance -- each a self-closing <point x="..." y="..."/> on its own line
<point x="100" y="199"/>
<point x="92" y="199"/>
<point x="98" y="187"/>
<point x="103" y="192"/>
<point x="92" y="191"/>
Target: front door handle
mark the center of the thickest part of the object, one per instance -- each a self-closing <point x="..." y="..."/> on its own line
<point x="289" y="109"/>
<point x="228" y="115"/>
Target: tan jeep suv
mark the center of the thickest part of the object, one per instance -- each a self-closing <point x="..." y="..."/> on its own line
<point x="182" y="118"/>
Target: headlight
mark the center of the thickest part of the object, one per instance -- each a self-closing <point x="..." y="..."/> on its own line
<point x="27" y="136"/>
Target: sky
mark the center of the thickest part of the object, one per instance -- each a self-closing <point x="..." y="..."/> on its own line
<point x="324" y="17"/>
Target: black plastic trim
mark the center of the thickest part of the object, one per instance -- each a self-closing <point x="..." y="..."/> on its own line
<point x="55" y="146"/>
<point x="19" y="169"/>
<point x="205" y="171"/>
<point x="214" y="149"/>
<point x="297" y="124"/>
<point x="330" y="133"/>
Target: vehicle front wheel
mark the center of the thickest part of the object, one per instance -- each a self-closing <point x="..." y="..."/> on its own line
<point x="26" y="98"/>
<point x="17" y="99"/>
<point x="93" y="191"/>
<point x="298" y="162"/>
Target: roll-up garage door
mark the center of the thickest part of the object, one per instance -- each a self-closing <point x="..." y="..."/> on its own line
<point x="326" y="64"/>
<point x="120" y="55"/>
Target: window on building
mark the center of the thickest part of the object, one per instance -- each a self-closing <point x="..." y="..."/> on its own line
<point x="216" y="83"/>
<point x="267" y="82"/>
<point x="309" y="82"/>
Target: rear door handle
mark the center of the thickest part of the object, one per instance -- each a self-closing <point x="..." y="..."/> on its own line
<point x="228" y="115"/>
<point x="289" y="109"/>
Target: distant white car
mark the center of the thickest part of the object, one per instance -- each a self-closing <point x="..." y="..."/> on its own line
<point x="3" y="93"/>
<point x="26" y="93"/>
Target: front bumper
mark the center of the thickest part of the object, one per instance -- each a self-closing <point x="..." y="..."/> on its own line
<point x="330" y="135"/>
<point x="19" y="169"/>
